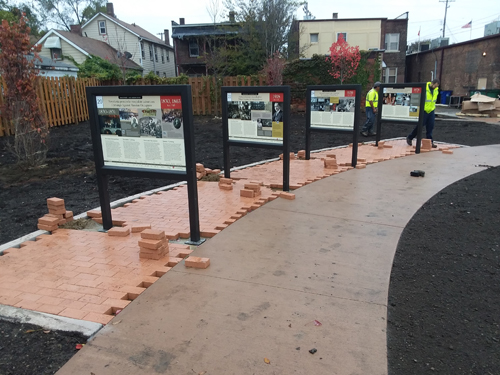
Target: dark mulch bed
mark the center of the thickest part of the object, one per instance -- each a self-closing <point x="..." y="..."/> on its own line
<point x="24" y="352"/>
<point x="69" y="171"/>
<point x="69" y="174"/>
<point x="444" y="297"/>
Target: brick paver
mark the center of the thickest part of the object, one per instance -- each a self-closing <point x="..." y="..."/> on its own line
<point x="92" y="275"/>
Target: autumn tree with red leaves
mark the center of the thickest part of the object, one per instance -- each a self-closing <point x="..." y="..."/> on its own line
<point x="21" y="104"/>
<point x="344" y="59"/>
<point x="273" y="69"/>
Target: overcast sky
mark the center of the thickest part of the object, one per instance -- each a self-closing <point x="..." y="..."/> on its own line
<point x="426" y="15"/>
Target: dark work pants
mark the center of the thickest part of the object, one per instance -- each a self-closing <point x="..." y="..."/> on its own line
<point x="428" y="124"/>
<point x="370" y="120"/>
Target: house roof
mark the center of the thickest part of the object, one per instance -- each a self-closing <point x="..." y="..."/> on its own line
<point x="89" y="46"/>
<point x="133" y="28"/>
<point x="204" y="29"/>
<point x="47" y="63"/>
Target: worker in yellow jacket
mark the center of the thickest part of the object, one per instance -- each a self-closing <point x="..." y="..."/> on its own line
<point x="431" y="94"/>
<point x="371" y="110"/>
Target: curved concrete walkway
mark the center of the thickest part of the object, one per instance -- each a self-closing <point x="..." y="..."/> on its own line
<point x="326" y="256"/>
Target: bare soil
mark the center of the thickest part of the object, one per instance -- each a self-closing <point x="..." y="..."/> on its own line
<point x="444" y="288"/>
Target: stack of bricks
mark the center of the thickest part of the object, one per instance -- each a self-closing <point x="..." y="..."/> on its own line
<point x="426" y="144"/>
<point x="250" y="190"/>
<point x="58" y="215"/>
<point x="301" y="154"/>
<point x="330" y="161"/>
<point x="153" y="244"/>
<point x="200" y="171"/>
<point x="226" y="184"/>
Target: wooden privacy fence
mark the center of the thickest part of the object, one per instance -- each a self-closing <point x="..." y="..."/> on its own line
<point x="63" y="100"/>
<point x="206" y="91"/>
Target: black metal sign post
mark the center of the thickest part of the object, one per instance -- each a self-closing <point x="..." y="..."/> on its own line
<point x="404" y="89"/>
<point x="157" y="133"/>
<point x="344" y="96"/>
<point x="279" y="96"/>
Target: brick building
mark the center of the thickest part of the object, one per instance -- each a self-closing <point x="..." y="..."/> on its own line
<point x="471" y="65"/>
<point x="194" y="42"/>
<point x="387" y="36"/>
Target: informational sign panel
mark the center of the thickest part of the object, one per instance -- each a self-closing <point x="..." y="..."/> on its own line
<point x="142" y="131"/>
<point x="333" y="109"/>
<point x="256" y="117"/>
<point x="401" y="103"/>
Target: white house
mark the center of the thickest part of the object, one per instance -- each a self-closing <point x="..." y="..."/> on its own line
<point x="68" y="47"/>
<point x="142" y="47"/>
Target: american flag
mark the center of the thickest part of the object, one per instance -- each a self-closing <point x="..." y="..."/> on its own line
<point x="467" y="26"/>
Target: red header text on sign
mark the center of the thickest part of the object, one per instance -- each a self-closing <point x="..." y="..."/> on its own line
<point x="277" y="97"/>
<point x="170" y="102"/>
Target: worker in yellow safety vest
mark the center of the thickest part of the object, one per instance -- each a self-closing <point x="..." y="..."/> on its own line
<point x="371" y="110"/>
<point x="431" y="94"/>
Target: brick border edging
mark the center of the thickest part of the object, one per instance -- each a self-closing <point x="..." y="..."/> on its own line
<point x="120" y="202"/>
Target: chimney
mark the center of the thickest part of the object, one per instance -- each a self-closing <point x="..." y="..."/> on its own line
<point x="335" y="16"/>
<point x="232" y="16"/>
<point x="109" y="10"/>
<point x="167" y="36"/>
<point x="76" y="29"/>
<point x="181" y="21"/>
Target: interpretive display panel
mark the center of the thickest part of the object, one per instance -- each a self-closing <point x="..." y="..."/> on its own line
<point x="142" y="131"/>
<point x="333" y="109"/>
<point x="401" y="103"/>
<point x="255" y="117"/>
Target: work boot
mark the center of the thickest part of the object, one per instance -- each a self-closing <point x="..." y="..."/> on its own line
<point x="408" y="141"/>
<point x="364" y="134"/>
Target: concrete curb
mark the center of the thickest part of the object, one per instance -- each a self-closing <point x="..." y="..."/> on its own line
<point x="48" y="321"/>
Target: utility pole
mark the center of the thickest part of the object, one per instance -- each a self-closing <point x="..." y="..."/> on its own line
<point x="445" y="12"/>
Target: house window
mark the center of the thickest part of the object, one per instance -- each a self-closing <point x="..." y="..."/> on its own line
<point x="156" y="54"/>
<point x="157" y="73"/>
<point x="313" y="38"/>
<point x="168" y="56"/>
<point x="389" y="75"/>
<point x="102" y="27"/>
<point x="151" y="52"/>
<point x="162" y="56"/>
<point x="344" y="35"/>
<point x="56" y="54"/>
<point x="143" y="52"/>
<point x="392" y="42"/>
<point x="164" y="75"/>
<point x="194" y="50"/>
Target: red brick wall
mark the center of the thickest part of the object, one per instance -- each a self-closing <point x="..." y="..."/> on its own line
<point x="462" y="65"/>
<point x="396" y="59"/>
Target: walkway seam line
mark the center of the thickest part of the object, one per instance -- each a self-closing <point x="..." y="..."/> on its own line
<point x="280" y="287"/>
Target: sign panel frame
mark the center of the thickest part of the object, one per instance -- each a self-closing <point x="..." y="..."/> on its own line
<point x="354" y="91"/>
<point x="281" y="94"/>
<point x="176" y="97"/>
<point x="400" y="88"/>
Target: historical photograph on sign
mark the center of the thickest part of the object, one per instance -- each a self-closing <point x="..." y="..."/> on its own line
<point x="401" y="103"/>
<point x="142" y="132"/>
<point x="255" y="117"/>
<point x="109" y="121"/>
<point x="333" y="109"/>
